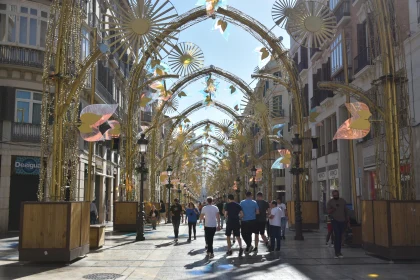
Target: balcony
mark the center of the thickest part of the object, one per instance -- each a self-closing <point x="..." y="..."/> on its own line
<point x="362" y="60"/>
<point x="21" y="56"/>
<point x="302" y="65"/>
<point x="342" y="13"/>
<point x="104" y="94"/>
<point x="26" y="132"/>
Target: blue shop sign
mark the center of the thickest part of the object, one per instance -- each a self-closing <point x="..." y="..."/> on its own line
<point x="27" y="165"/>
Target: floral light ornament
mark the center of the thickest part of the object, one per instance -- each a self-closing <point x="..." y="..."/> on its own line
<point x="94" y="121"/>
<point x="358" y="126"/>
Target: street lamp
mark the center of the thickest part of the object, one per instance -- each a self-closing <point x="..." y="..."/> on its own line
<point x="253" y="173"/>
<point x="238" y="180"/>
<point x="169" y="186"/>
<point x="297" y="170"/>
<point x="142" y="142"/>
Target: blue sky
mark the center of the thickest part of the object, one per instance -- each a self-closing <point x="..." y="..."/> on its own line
<point x="237" y="55"/>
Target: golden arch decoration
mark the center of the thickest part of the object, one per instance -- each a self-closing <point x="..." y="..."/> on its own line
<point x="255" y="28"/>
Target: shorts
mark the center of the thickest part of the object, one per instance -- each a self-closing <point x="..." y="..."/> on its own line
<point x="235" y="228"/>
<point x="261" y="227"/>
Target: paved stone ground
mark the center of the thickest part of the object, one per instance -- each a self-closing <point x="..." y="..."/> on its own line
<point x="159" y="258"/>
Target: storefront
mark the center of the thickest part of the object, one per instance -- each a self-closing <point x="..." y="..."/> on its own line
<point x="24" y="182"/>
<point x="322" y="183"/>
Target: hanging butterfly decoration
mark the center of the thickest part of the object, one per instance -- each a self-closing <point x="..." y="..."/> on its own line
<point x="208" y="101"/>
<point x="114" y="131"/>
<point x="94" y="121"/>
<point x="223" y="27"/>
<point x="358" y="126"/>
<point x="212" y="5"/>
<point x="278" y="129"/>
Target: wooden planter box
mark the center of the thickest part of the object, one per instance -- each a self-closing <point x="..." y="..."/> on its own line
<point x="125" y="216"/>
<point x="310" y="215"/>
<point x="54" y="231"/>
<point x="96" y="236"/>
<point x="391" y="229"/>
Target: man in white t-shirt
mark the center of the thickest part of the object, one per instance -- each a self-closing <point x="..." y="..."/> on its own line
<point x="275" y="226"/>
<point x="211" y="216"/>
<point x="282" y="206"/>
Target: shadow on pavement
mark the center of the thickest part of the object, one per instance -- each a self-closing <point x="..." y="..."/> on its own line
<point x="196" y="252"/>
<point x="165" y="244"/>
<point x="199" y="263"/>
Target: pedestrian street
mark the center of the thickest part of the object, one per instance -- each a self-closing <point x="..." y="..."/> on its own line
<point x="158" y="257"/>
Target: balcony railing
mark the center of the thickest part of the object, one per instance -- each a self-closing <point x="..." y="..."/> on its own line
<point x="26" y="132"/>
<point x="21" y="56"/>
<point x="362" y="60"/>
<point x="342" y="10"/>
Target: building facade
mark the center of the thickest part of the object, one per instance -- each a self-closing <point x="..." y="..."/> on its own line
<point x="329" y="165"/>
<point x="23" y="27"/>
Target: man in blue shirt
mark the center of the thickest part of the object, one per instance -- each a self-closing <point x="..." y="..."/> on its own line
<point x="249" y="221"/>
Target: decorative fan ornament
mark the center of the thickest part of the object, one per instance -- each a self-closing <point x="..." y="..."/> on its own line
<point x="186" y="58"/>
<point x="358" y="126"/>
<point x="94" y="121"/>
<point x="138" y="25"/>
<point x="282" y="10"/>
<point x="225" y="129"/>
<point x="312" y="24"/>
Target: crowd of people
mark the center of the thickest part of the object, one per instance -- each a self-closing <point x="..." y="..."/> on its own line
<point x="250" y="219"/>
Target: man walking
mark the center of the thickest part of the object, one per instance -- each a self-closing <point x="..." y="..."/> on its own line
<point x="249" y="221"/>
<point x="337" y="209"/>
<point x="222" y="215"/>
<point x="176" y="212"/>
<point x="282" y="206"/>
<point x="263" y="207"/>
<point x="211" y="216"/>
<point x="275" y="226"/>
<point x="233" y="212"/>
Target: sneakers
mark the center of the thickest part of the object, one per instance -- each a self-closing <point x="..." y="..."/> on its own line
<point x="211" y="255"/>
<point x="338" y="256"/>
<point x="241" y="252"/>
<point x="176" y="239"/>
<point x="229" y="253"/>
<point x="189" y="240"/>
<point x="249" y="249"/>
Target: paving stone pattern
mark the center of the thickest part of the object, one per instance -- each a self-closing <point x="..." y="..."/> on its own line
<point x="160" y="258"/>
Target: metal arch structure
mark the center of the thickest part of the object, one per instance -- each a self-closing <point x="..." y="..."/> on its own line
<point x="207" y="145"/>
<point x="209" y="159"/>
<point x="219" y="141"/>
<point x="220" y="73"/>
<point x="353" y="91"/>
<point x="255" y="28"/>
<point x="200" y="124"/>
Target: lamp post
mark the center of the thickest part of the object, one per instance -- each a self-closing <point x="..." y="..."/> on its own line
<point x="297" y="170"/>
<point x="253" y="173"/>
<point x="238" y="180"/>
<point x="169" y="186"/>
<point x="142" y="142"/>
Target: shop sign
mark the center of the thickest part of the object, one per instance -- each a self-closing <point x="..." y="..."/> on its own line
<point x="27" y="165"/>
<point x="322" y="176"/>
<point x="333" y="174"/>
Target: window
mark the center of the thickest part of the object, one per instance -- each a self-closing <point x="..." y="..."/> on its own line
<point x="336" y="54"/>
<point x="28" y="107"/>
<point x="266" y="87"/>
<point x="24" y="24"/>
<point x="85" y="50"/>
<point x="277" y="106"/>
<point x="333" y="4"/>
